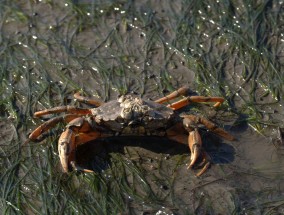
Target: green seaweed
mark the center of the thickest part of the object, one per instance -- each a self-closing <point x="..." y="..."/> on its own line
<point x="51" y="49"/>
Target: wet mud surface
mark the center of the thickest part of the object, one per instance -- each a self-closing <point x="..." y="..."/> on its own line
<point x="248" y="168"/>
<point x="105" y="49"/>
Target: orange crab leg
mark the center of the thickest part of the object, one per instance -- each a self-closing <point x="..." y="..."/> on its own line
<point x="82" y="138"/>
<point x="50" y="124"/>
<point x="211" y="126"/>
<point x="87" y="100"/>
<point x="180" y="92"/>
<point x="60" y="109"/>
<point x="185" y="101"/>
<point x="179" y="104"/>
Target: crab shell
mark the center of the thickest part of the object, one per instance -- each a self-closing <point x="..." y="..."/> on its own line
<point x="131" y="115"/>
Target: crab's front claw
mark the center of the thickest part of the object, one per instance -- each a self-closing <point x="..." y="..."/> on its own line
<point x="195" y="145"/>
<point x="194" y="141"/>
<point x="66" y="149"/>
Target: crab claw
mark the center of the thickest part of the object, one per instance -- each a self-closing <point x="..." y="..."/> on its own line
<point x="66" y="148"/>
<point x="195" y="143"/>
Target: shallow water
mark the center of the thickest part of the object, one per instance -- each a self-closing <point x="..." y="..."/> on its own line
<point x="49" y="50"/>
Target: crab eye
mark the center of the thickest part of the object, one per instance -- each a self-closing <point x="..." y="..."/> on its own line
<point x="121" y="99"/>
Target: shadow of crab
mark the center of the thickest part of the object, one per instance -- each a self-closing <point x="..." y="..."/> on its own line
<point x="96" y="155"/>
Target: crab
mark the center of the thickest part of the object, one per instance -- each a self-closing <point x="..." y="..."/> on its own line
<point x="130" y="115"/>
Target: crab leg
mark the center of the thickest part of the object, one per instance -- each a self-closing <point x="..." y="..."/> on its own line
<point x="87" y="100"/>
<point x="180" y="92"/>
<point x="50" y="124"/>
<point x="185" y="101"/>
<point x="195" y="145"/>
<point x="60" y="109"/>
<point x="211" y="126"/>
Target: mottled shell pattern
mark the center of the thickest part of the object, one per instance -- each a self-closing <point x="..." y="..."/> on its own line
<point x="130" y="114"/>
